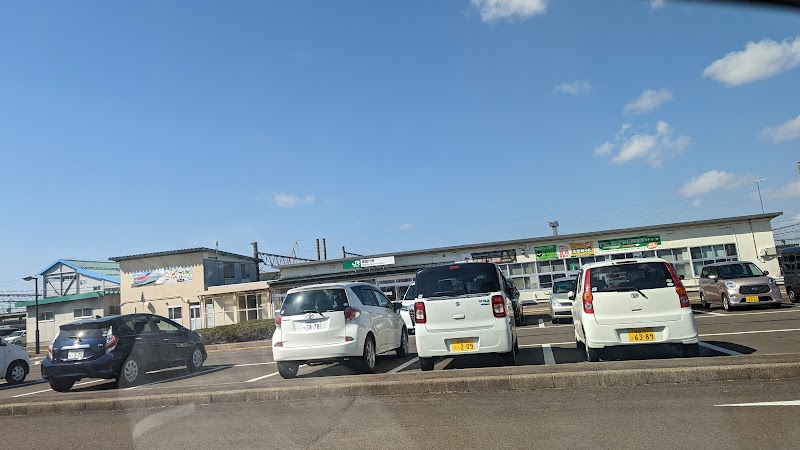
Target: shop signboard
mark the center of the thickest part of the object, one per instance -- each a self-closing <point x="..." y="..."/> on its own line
<point x="639" y="242"/>
<point x="497" y="256"/>
<point x="578" y="249"/>
<point x="546" y="252"/>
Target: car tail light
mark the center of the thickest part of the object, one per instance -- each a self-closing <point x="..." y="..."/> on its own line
<point x="498" y="306"/>
<point x="111" y="340"/>
<point x="419" y="312"/>
<point x="588" y="298"/>
<point x="683" y="297"/>
<point x="351" y="314"/>
<point x="277" y="320"/>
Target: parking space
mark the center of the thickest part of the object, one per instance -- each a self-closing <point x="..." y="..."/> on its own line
<point x="723" y="334"/>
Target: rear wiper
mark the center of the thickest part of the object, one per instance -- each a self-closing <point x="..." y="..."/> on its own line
<point x="314" y="311"/>
<point x="631" y="289"/>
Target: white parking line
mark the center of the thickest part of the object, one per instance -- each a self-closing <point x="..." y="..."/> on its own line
<point x="404" y="365"/>
<point x="750" y="332"/>
<point x="541" y="323"/>
<point x="783" y="403"/>
<point x="720" y="349"/>
<point x="254" y="364"/>
<point x="50" y="390"/>
<point x="270" y="375"/>
<point x="548" y="355"/>
<point x="542" y="345"/>
<point x="713" y="314"/>
<point x="707" y="313"/>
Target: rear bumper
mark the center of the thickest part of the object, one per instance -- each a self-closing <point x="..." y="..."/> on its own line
<point x="769" y="298"/>
<point x="495" y="340"/>
<point x="317" y="352"/>
<point x="682" y="331"/>
<point x="103" y="367"/>
<point x="560" y="311"/>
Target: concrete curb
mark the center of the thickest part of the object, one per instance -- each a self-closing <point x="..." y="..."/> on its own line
<point x="492" y="383"/>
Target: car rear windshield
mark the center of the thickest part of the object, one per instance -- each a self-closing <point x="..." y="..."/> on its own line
<point x="631" y="276"/>
<point x="457" y="279"/>
<point x="318" y="300"/>
<point x="743" y="270"/>
<point x="83" y="331"/>
<point x="563" y="286"/>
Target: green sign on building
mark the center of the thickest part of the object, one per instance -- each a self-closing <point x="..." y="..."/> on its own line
<point x="351" y="264"/>
<point x="639" y="242"/>
<point x="546" y="252"/>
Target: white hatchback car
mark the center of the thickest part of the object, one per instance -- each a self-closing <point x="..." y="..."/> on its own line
<point x="625" y="302"/>
<point x="348" y="322"/>
<point x="14" y="362"/>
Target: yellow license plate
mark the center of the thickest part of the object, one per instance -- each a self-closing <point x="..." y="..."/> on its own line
<point x="462" y="345"/>
<point x="641" y="335"/>
<point x="751" y="299"/>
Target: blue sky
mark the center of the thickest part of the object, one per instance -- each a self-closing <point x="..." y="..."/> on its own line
<point x="130" y="127"/>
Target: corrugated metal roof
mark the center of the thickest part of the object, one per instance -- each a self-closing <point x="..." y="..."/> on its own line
<point x="110" y="268"/>
<point x="179" y="252"/>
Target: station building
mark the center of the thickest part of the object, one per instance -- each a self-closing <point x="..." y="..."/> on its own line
<point x="533" y="263"/>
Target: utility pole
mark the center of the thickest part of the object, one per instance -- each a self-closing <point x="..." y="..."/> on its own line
<point x="758" y="184"/>
<point x="256" y="257"/>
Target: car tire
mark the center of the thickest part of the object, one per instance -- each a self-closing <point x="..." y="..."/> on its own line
<point x="195" y="359"/>
<point x="776" y="305"/>
<point x="580" y="346"/>
<point x="425" y="364"/>
<point x="703" y="303"/>
<point x="792" y="296"/>
<point x="554" y="320"/>
<point x="61" y="384"/>
<point x="726" y="304"/>
<point x="521" y="315"/>
<point x="368" y="360"/>
<point x="510" y="358"/>
<point x="690" y="350"/>
<point x="402" y="351"/>
<point x="16" y="373"/>
<point x="288" y="369"/>
<point x="131" y="372"/>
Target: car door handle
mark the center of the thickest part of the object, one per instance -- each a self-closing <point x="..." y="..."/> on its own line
<point x="459" y="316"/>
<point x="636" y="308"/>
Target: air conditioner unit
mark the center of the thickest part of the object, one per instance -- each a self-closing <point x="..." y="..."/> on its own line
<point x="767" y="252"/>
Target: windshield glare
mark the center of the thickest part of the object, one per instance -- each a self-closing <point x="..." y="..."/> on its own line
<point x="322" y="300"/>
<point x="743" y="270"/>
<point x="562" y="287"/>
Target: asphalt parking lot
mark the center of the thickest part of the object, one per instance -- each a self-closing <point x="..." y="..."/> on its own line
<point x="754" y="331"/>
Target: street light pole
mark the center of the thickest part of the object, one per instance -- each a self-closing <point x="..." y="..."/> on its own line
<point x="36" y="297"/>
<point x="758" y="184"/>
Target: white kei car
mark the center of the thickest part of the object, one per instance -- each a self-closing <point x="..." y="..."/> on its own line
<point x="14" y="362"/>
<point x="348" y="322"/>
<point x="628" y="302"/>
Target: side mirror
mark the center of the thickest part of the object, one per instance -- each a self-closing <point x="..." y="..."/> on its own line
<point x="571" y="295"/>
<point x="397" y="306"/>
<point x="766" y="272"/>
<point x="681" y="277"/>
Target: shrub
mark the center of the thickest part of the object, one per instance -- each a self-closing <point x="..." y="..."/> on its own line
<point x="251" y="330"/>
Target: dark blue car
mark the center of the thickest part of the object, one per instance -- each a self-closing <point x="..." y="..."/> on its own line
<point x="121" y="348"/>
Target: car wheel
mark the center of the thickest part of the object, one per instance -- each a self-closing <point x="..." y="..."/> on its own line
<point x="402" y="351"/>
<point x="726" y="304"/>
<point x="288" y="369"/>
<point x="195" y="360"/>
<point x="592" y="354"/>
<point x="703" y="303"/>
<point x="131" y="372"/>
<point x="791" y="294"/>
<point x="554" y="320"/>
<point x="61" y="384"/>
<point x="690" y="350"/>
<point x="16" y="372"/>
<point x="369" y="358"/>
<point x="426" y="364"/>
<point x="510" y="358"/>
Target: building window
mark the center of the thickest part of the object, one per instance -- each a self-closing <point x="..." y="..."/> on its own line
<point x="708" y="254"/>
<point x="227" y="271"/>
<point x="114" y="310"/>
<point x="46" y="315"/>
<point x="176" y="313"/>
<point x="82" y="312"/>
<point x="245" y="272"/>
<point x="679" y="258"/>
<point x="249" y="308"/>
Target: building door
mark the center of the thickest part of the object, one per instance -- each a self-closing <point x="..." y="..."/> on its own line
<point x="209" y="313"/>
<point x="194" y="316"/>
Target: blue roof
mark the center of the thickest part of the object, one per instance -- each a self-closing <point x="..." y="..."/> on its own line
<point x="102" y="270"/>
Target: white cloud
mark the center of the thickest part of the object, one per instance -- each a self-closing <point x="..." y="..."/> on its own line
<point x="604" y="149"/>
<point x="655" y="4"/>
<point x="697" y="203"/>
<point x="495" y="10"/>
<point x="650" y="145"/>
<point x="283" y="200"/>
<point x="784" y="132"/>
<point x="648" y="100"/>
<point x="787" y="192"/>
<point x="713" y="180"/>
<point x="573" y="87"/>
<point x="758" y="61"/>
<point x="407" y="226"/>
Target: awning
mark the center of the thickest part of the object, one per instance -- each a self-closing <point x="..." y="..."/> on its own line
<point x="254" y="286"/>
<point x="65" y="298"/>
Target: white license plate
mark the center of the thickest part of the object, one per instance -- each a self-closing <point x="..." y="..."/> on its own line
<point x="75" y="354"/>
<point x="312" y="326"/>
